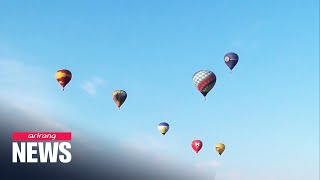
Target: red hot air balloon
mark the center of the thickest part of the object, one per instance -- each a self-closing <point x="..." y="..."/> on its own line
<point x="196" y="145"/>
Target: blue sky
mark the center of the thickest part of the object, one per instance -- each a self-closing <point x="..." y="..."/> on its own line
<point x="266" y="111"/>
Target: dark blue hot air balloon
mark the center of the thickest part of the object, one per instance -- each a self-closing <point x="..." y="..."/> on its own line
<point x="231" y="59"/>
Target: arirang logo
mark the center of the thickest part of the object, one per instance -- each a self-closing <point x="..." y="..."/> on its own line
<point x="31" y="144"/>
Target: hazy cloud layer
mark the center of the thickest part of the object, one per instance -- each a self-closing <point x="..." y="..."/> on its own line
<point x="90" y="86"/>
<point x="100" y="163"/>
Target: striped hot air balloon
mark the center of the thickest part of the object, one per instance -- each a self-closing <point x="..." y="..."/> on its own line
<point x="204" y="81"/>
<point x="163" y="128"/>
<point x="63" y="77"/>
<point x="119" y="96"/>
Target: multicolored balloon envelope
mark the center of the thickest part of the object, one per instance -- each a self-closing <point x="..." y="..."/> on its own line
<point x="204" y="81"/>
<point x="163" y="127"/>
<point x="196" y="145"/>
<point x="119" y="96"/>
<point x="220" y="148"/>
<point x="231" y="59"/>
<point x="63" y="77"/>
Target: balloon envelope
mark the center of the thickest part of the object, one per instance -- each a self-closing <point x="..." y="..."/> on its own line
<point x="220" y="148"/>
<point x="63" y="76"/>
<point x="119" y="96"/>
<point x="196" y="145"/>
<point x="204" y="80"/>
<point x="231" y="59"/>
<point x="163" y="128"/>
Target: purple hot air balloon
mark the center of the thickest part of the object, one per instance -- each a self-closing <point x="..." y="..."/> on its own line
<point x="231" y="59"/>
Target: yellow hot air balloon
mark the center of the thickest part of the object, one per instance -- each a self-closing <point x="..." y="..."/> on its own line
<point x="220" y="148"/>
<point x="63" y="77"/>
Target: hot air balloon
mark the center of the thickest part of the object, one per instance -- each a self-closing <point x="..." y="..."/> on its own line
<point x="220" y="148"/>
<point x="63" y="76"/>
<point x="231" y="59"/>
<point x="119" y="96"/>
<point x="196" y="145"/>
<point x="204" y="81"/>
<point x="163" y="127"/>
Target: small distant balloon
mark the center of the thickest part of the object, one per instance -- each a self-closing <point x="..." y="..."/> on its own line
<point x="231" y="59"/>
<point x="163" y="128"/>
<point x="204" y="81"/>
<point x="63" y="76"/>
<point x="196" y="145"/>
<point x="119" y="96"/>
<point x="220" y="148"/>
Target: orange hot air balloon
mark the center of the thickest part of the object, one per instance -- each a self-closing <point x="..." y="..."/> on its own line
<point x="63" y="77"/>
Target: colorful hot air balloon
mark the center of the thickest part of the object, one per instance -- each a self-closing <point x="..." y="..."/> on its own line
<point x="231" y="59"/>
<point x="220" y="148"/>
<point x="196" y="145"/>
<point x="163" y="127"/>
<point x="119" y="96"/>
<point x="63" y="76"/>
<point x="204" y="81"/>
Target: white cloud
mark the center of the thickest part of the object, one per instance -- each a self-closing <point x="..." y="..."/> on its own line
<point x="25" y="84"/>
<point x="207" y="167"/>
<point x="159" y="151"/>
<point x="233" y="175"/>
<point x="21" y="88"/>
<point x="12" y="70"/>
<point x="145" y="143"/>
<point x="90" y="86"/>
